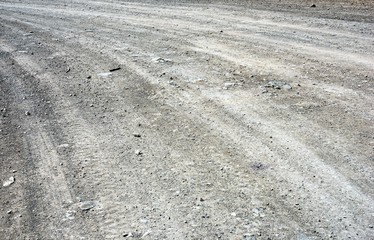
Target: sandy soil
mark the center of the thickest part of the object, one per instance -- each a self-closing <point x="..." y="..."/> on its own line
<point x="193" y="120"/>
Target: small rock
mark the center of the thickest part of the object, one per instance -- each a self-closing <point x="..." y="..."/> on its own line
<point x="137" y="135"/>
<point x="64" y="145"/>
<point x="228" y="85"/>
<point x="127" y="234"/>
<point x="146" y="234"/>
<point x="248" y="236"/>
<point x="278" y="85"/>
<point x="104" y="75"/>
<point x="160" y="60"/>
<point x="114" y="69"/>
<point x="138" y="152"/>
<point x="27" y="113"/>
<point x="313" y="6"/>
<point x="8" y="182"/>
<point x="163" y="60"/>
<point x="87" y="205"/>
<point x="9" y="212"/>
<point x="302" y="236"/>
<point x="258" y="166"/>
<point x="143" y="221"/>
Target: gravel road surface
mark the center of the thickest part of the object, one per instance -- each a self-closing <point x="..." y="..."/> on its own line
<point x="194" y="120"/>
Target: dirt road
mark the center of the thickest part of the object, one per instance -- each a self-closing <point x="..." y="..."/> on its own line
<point x="126" y="120"/>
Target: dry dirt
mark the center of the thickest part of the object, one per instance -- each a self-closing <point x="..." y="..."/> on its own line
<point x="218" y="121"/>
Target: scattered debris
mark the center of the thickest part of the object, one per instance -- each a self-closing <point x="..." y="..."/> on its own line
<point x="8" y="182"/>
<point x="87" y="205"/>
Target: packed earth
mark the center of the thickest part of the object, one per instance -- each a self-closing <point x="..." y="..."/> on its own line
<point x="186" y="119"/>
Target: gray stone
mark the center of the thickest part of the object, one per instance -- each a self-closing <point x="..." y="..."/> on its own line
<point x="8" y="182"/>
<point x="87" y="205"/>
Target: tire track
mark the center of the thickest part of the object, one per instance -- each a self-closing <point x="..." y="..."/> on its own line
<point x="204" y="141"/>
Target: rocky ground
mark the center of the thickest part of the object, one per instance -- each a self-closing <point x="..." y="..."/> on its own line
<point x="186" y="120"/>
